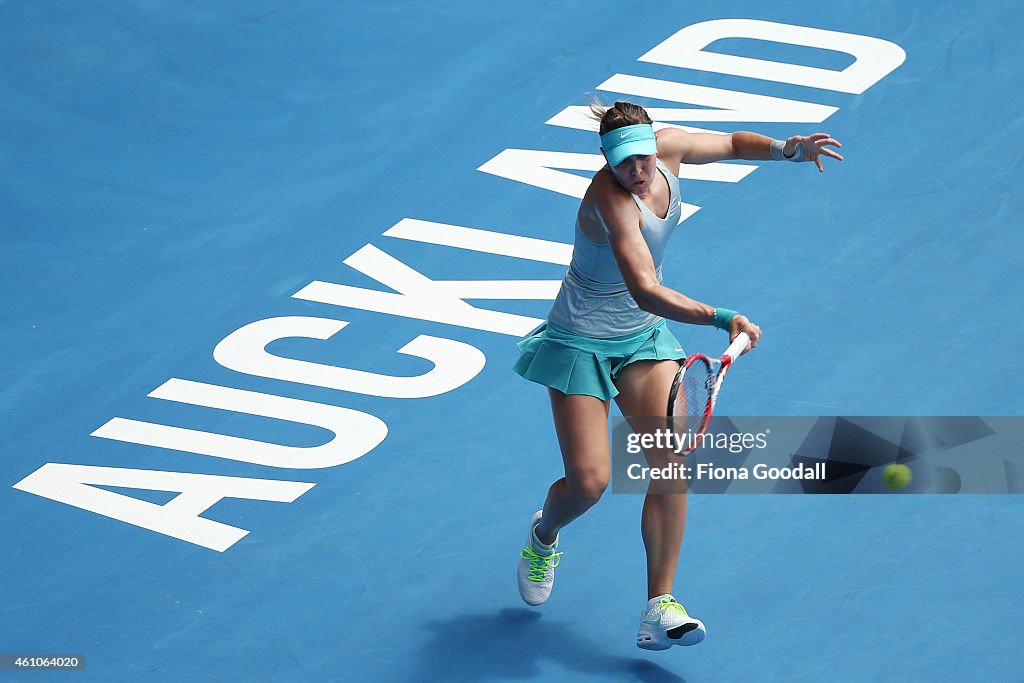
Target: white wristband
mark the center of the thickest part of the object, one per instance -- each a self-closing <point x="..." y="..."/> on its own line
<point x="778" y="145"/>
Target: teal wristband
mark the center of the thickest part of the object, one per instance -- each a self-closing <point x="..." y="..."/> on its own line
<point x="722" y="318"/>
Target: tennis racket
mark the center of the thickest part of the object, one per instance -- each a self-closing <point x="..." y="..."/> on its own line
<point x="695" y="390"/>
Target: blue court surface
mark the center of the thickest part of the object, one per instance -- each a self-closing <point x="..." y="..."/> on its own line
<point x="264" y="267"/>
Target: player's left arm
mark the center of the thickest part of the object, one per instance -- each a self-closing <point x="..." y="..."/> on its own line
<point x="704" y="148"/>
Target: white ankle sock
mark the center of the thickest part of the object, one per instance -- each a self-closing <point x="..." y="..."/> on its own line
<point x="654" y="601"/>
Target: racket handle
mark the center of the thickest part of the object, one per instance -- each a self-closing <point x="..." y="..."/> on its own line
<point x="738" y="345"/>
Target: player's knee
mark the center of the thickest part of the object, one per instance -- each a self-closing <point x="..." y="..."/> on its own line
<point x="589" y="489"/>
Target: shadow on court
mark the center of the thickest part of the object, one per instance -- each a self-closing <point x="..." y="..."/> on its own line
<point x="511" y="643"/>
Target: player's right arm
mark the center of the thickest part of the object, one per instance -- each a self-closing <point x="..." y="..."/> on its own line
<point x="636" y="265"/>
<point x="635" y="261"/>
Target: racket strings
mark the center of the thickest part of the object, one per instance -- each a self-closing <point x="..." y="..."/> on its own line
<point x="693" y="396"/>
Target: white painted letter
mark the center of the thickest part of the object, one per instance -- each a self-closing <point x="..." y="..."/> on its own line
<point x="418" y="296"/>
<point x="355" y="433"/>
<point x="486" y="241"/>
<point x="179" y="518"/>
<point x="537" y="168"/>
<point x="244" y="350"/>
<point x="728" y="105"/>
<point x="874" y="58"/>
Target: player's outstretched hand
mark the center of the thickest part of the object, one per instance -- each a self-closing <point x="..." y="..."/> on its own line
<point x="814" y="148"/>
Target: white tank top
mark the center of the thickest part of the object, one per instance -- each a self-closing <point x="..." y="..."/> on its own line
<point x="593" y="300"/>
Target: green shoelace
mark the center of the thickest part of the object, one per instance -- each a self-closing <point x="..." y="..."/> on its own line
<point x="666" y="604"/>
<point x="539" y="564"/>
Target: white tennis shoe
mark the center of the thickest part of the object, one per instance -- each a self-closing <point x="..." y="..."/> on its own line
<point x="537" y="564"/>
<point x="665" y="623"/>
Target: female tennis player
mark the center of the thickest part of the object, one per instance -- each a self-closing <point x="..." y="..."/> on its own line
<point x="606" y="338"/>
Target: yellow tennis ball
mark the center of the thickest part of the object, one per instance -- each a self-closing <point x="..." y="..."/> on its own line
<point x="896" y="476"/>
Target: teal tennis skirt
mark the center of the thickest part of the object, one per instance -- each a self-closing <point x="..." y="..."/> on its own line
<point x="574" y="364"/>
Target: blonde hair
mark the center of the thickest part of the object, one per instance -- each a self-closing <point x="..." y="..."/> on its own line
<point x="620" y="114"/>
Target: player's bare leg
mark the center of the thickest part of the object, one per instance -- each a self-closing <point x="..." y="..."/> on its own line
<point x="581" y="423"/>
<point x="644" y="388"/>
